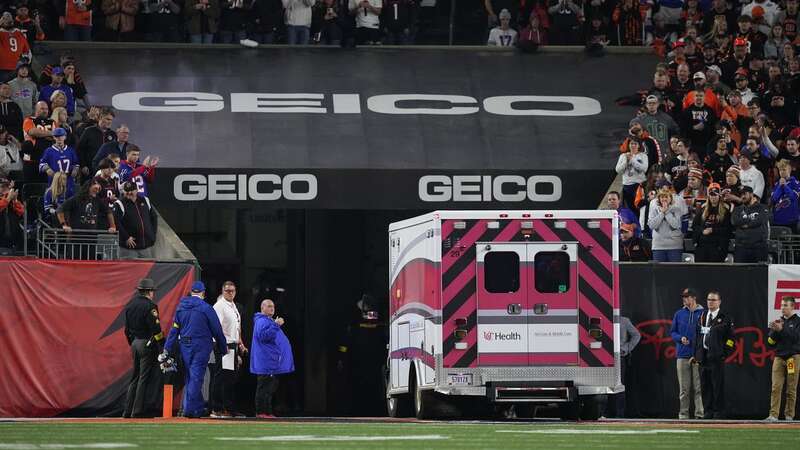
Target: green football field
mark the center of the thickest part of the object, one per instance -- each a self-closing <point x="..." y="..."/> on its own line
<point x="183" y="434"/>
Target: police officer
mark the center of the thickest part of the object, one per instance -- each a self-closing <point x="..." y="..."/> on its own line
<point x="143" y="330"/>
<point x="194" y="326"/>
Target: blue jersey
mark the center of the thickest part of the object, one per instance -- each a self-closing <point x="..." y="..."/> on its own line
<point x="138" y="174"/>
<point x="60" y="161"/>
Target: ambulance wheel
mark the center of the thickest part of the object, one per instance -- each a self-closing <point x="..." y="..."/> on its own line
<point x="590" y="407"/>
<point x="397" y="405"/>
<point x="423" y="399"/>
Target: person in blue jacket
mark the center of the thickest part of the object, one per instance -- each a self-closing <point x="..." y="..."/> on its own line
<point x="785" y="195"/>
<point x="683" y="331"/>
<point x="194" y="326"/>
<point x="270" y="356"/>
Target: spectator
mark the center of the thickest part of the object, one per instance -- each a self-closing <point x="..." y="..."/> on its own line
<point x="792" y="155"/>
<point x="564" y="25"/>
<point x="268" y="17"/>
<point x="597" y="38"/>
<point x="57" y="84"/>
<point x="58" y="100"/>
<point x="32" y="27"/>
<point x="398" y="19"/>
<point x="718" y="162"/>
<point x="270" y="356"/>
<point x="94" y="137"/>
<point x="85" y="210"/>
<point x="61" y="120"/>
<point x="699" y="122"/>
<point x="773" y="48"/>
<point x="11" y="213"/>
<point x="784" y="337"/>
<point x="628" y="22"/>
<point x="712" y="228"/>
<point x="13" y="46"/>
<point x="719" y="8"/>
<point x="665" y="222"/>
<point x="788" y="18"/>
<point x="120" y="19"/>
<point x="684" y="334"/>
<point x="710" y="98"/>
<point x="38" y="137"/>
<point x="298" y="19"/>
<point x="60" y="158"/>
<point x="713" y="343"/>
<point x="109" y="183"/>
<point x="76" y="18"/>
<point x="10" y="157"/>
<point x="749" y="175"/>
<point x="161" y="20"/>
<point x="659" y="125"/>
<point x="732" y="193"/>
<point x="737" y="114"/>
<point x="202" y="17"/>
<point x="24" y="91"/>
<point x="753" y="38"/>
<point x="140" y="174"/>
<point x="493" y="8"/>
<point x="74" y="82"/>
<point x="137" y="223"/>
<point x="632" y="165"/>
<point x="10" y="113"/>
<point x="785" y="208"/>
<point x="54" y="197"/>
<point x="626" y="216"/>
<point x="647" y="144"/>
<point x="715" y="86"/>
<point x="681" y="84"/>
<point x="751" y="220"/>
<point x="118" y="146"/>
<point x="233" y="21"/>
<point x="710" y="55"/>
<point x="88" y="119"/>
<point x="632" y="248"/>
<point x="367" y="14"/>
<point x="665" y="94"/>
<point x="678" y="166"/>
<point x="693" y="195"/>
<point x="503" y="35"/>
<point x="761" y="8"/>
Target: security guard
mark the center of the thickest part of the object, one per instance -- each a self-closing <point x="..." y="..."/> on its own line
<point x="194" y="326"/>
<point x="143" y="330"/>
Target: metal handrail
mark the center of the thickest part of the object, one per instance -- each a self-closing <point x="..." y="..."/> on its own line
<point x="55" y="243"/>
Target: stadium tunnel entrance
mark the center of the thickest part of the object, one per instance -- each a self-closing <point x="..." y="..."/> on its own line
<point x="315" y="265"/>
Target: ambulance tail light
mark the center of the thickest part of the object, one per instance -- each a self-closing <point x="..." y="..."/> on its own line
<point x="594" y="328"/>
<point x="461" y="328"/>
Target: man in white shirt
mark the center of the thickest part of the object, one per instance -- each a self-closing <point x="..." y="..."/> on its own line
<point x="750" y="175"/>
<point x="367" y="14"/>
<point x="504" y="35"/>
<point x="223" y="373"/>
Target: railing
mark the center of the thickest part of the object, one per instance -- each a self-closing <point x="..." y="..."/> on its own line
<point x="54" y="243"/>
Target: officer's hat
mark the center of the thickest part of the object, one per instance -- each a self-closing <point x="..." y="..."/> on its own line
<point x="146" y="284"/>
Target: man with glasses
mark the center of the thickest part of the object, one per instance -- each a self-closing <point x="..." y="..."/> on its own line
<point x="137" y="224"/>
<point x="224" y="370"/>
<point x="714" y="342"/>
<point x="684" y="332"/>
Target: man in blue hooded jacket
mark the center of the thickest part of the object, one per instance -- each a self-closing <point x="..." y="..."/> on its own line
<point x="683" y="332"/>
<point x="270" y="356"/>
<point x="194" y="326"/>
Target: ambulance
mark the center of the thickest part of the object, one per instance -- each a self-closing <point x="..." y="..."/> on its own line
<point x="503" y="307"/>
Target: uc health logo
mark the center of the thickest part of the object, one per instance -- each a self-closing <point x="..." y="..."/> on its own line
<point x="494" y="335"/>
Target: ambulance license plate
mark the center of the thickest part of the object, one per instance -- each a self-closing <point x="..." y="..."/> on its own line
<point x="459" y="379"/>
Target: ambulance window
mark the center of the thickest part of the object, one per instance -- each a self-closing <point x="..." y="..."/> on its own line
<point x="501" y="271"/>
<point x="551" y="273"/>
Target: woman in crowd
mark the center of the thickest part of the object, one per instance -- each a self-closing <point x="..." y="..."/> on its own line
<point x="712" y="228"/>
<point x="54" y="197"/>
<point x="665" y="222"/>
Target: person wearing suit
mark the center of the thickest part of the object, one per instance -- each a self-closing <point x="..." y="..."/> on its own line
<point x="713" y="343"/>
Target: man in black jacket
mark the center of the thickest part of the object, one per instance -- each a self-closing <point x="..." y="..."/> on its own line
<point x="92" y="139"/>
<point x="713" y="344"/>
<point x="784" y="336"/>
<point x="751" y="220"/>
<point x="143" y="331"/>
<point x="137" y="223"/>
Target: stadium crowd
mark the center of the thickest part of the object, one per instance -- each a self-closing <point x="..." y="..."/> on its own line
<point x="64" y="156"/>
<point x="712" y="152"/>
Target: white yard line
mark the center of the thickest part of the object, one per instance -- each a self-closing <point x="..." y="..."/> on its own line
<point x="314" y="438"/>
<point x="573" y="431"/>
<point x="26" y="446"/>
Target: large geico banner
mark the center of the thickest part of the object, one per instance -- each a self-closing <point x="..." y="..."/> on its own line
<point x="298" y="109"/>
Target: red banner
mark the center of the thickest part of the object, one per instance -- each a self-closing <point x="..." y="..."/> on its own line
<point x="62" y="327"/>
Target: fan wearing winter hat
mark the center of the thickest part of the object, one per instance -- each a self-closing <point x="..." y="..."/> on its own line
<point x="711" y="229"/>
<point x="732" y="192"/>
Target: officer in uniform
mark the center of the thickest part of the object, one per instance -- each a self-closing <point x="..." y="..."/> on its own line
<point x="143" y="330"/>
<point x="714" y="342"/>
<point x="363" y="351"/>
<point x="194" y="326"/>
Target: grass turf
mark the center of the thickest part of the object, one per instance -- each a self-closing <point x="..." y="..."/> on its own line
<point x="443" y="435"/>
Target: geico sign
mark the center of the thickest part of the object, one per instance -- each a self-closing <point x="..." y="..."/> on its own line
<point x="438" y="104"/>
<point x="485" y="188"/>
<point x="263" y="187"/>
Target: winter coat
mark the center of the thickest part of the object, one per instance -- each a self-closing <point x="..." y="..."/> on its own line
<point x="196" y="320"/>
<point x="720" y="230"/>
<point x="684" y="324"/>
<point x="786" y="341"/>
<point x="666" y="228"/>
<point x="195" y="17"/>
<point x="298" y="12"/>
<point x="270" y="350"/>
<point x="634" y="171"/>
<point x="785" y="208"/>
<point x="136" y="219"/>
<point x="120" y="14"/>
<point x="751" y="222"/>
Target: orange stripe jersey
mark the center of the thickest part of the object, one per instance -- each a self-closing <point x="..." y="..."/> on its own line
<point x="13" y="45"/>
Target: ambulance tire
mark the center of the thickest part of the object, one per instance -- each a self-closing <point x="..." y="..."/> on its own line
<point x="397" y="405"/>
<point x="423" y="399"/>
<point x="590" y="407"/>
